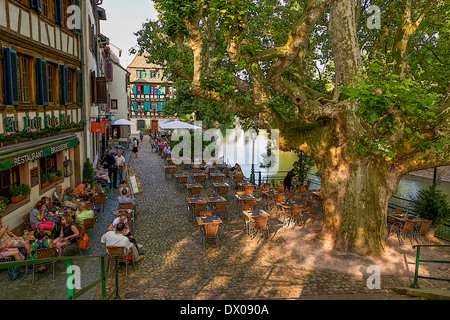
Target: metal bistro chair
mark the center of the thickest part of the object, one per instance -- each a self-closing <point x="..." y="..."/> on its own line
<point x="259" y="224"/>
<point x="122" y="254"/>
<point x="247" y="219"/>
<point x="99" y="202"/>
<point x="220" y="209"/>
<point x="44" y="253"/>
<point x="210" y="231"/>
<point x="196" y="208"/>
<point x="405" y="228"/>
<point x="294" y="214"/>
<point x="423" y="230"/>
<point x="89" y="224"/>
<point x="181" y="181"/>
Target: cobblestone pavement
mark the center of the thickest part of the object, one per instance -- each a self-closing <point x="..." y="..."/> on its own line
<point x="176" y="267"/>
<point x="47" y="288"/>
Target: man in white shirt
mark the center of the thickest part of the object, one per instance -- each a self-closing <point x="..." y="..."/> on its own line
<point x="121" y="164"/>
<point x="118" y="239"/>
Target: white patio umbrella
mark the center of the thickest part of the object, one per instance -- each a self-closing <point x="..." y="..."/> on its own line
<point x="166" y="121"/>
<point x="123" y="122"/>
<point x="178" y="125"/>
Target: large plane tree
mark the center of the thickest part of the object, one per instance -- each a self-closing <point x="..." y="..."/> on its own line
<point x="362" y="89"/>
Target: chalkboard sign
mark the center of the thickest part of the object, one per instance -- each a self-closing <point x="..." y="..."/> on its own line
<point x="34" y="177"/>
<point x="135" y="183"/>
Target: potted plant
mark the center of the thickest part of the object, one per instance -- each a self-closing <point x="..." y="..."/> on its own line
<point x="44" y="180"/>
<point x="19" y="192"/>
<point x="58" y="174"/>
<point x="3" y="203"/>
<point x="431" y="204"/>
<point x="51" y="177"/>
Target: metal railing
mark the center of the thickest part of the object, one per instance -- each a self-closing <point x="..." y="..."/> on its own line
<point x="415" y="284"/>
<point x="71" y="292"/>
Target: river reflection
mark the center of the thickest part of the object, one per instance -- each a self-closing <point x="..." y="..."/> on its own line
<point x="240" y="151"/>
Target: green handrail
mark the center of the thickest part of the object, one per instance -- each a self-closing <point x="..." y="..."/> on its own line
<point x="72" y="295"/>
<point x="415" y="284"/>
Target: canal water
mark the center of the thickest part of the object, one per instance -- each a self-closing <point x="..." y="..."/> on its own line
<point x="238" y="148"/>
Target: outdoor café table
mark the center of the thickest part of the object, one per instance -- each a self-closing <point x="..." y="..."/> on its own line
<point x="242" y="185"/>
<point x="102" y="175"/>
<point x="198" y="175"/>
<point x="78" y="201"/>
<point x="202" y="220"/>
<point x="250" y="214"/>
<point x="194" y="187"/>
<point x="243" y="197"/>
<point x="221" y="167"/>
<point x="169" y="169"/>
<point x="215" y="199"/>
<point x="269" y="195"/>
<point x="29" y="236"/>
<point x="59" y="214"/>
<point x="191" y="203"/>
<point x="118" y="213"/>
<point x="221" y="185"/>
<point x="181" y="175"/>
<point x="217" y="176"/>
<point x="287" y="205"/>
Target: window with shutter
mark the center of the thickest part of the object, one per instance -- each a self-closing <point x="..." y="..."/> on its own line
<point x="93" y="87"/>
<point x="36" y="5"/>
<point x="70" y="86"/>
<point x="10" y="76"/>
<point x="24" y="78"/>
<point x="79" y="87"/>
<point x="41" y="82"/>
<point x="59" y="12"/>
<point x="63" y="85"/>
<point x="51" y="76"/>
<point x="102" y="92"/>
<point x="109" y="71"/>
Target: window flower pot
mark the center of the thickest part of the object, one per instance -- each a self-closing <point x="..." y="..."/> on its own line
<point x="17" y="199"/>
<point x="45" y="184"/>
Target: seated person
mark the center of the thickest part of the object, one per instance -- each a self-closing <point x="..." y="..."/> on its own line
<point x="10" y="241"/>
<point x="37" y="217"/>
<point x="98" y="190"/>
<point x="81" y="189"/>
<point x="10" y="252"/>
<point x="40" y="243"/>
<point x="125" y="187"/>
<point x="117" y="238"/>
<point x="121" y="219"/>
<point x="123" y="198"/>
<point x="69" y="233"/>
<point x="236" y="169"/>
<point x="83" y="214"/>
<point x="48" y="214"/>
<point x="61" y="196"/>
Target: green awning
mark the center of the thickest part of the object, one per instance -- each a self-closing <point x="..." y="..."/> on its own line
<point x="17" y="158"/>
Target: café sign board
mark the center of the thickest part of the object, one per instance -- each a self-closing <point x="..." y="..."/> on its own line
<point x="37" y="123"/>
<point x="18" y="158"/>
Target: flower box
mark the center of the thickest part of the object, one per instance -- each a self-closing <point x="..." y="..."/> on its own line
<point x="17" y="199"/>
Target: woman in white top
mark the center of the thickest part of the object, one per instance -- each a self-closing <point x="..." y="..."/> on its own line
<point x="135" y="146"/>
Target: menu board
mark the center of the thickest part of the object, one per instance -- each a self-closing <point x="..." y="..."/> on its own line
<point x="34" y="177"/>
<point x="135" y="183"/>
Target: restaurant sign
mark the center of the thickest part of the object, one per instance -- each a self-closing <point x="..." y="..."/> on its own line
<point x="18" y="158"/>
<point x="37" y="123"/>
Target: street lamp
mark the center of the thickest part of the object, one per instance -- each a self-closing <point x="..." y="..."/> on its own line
<point x="253" y="136"/>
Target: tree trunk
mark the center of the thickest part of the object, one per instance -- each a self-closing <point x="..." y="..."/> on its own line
<point x="356" y="197"/>
<point x="356" y="189"/>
